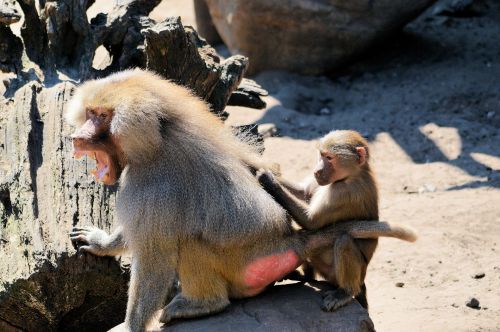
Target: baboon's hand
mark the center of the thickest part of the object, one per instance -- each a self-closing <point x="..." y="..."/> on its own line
<point x="335" y="299"/>
<point x="267" y="180"/>
<point x="91" y="240"/>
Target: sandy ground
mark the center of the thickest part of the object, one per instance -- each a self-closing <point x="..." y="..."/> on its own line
<point x="429" y="102"/>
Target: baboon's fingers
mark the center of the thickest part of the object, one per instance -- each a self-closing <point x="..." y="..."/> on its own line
<point x="73" y="234"/>
<point x="79" y="239"/>
<point x="81" y="229"/>
<point x="275" y="169"/>
<point x="266" y="179"/>
<point x="78" y="232"/>
<point x="85" y="249"/>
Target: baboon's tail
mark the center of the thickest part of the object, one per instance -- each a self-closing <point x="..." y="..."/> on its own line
<point x="372" y="230"/>
<point x="359" y="229"/>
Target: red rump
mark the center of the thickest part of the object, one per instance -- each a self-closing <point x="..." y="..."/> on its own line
<point x="263" y="271"/>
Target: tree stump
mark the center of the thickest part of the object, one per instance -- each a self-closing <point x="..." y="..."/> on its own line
<point x="44" y="192"/>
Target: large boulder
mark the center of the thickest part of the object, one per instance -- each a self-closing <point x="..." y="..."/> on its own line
<point x="307" y="36"/>
<point x="292" y="307"/>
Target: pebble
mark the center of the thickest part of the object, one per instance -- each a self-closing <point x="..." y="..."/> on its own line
<point x="490" y="114"/>
<point x="473" y="303"/>
<point x="427" y="188"/>
<point x="400" y="284"/>
<point x="479" y="275"/>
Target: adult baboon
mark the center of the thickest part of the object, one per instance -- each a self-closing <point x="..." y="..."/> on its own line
<point x="187" y="203"/>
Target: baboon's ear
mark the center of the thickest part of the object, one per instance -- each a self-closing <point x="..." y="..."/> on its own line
<point x="361" y="155"/>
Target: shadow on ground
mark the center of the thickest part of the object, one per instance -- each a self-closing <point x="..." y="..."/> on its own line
<point x="435" y="88"/>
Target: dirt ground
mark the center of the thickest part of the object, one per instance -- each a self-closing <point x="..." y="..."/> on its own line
<point x="428" y="100"/>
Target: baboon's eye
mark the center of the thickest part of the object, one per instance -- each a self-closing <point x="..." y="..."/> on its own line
<point x="329" y="157"/>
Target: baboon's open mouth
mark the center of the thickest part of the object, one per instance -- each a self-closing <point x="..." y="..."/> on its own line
<point x="107" y="169"/>
<point x="101" y="173"/>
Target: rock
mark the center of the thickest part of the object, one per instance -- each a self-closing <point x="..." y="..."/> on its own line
<point x="282" y="308"/>
<point x="307" y="36"/>
<point x="204" y="23"/>
<point x="473" y="303"/>
<point x="427" y="188"/>
<point x="400" y="284"/>
<point x="479" y="275"/>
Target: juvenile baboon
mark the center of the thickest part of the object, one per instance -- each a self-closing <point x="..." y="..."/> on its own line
<point x="187" y="204"/>
<point x="343" y="189"/>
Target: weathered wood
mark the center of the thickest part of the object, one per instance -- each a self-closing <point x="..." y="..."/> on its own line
<point x="61" y="39"/>
<point x="248" y="94"/>
<point x="11" y="48"/>
<point x="44" y="191"/>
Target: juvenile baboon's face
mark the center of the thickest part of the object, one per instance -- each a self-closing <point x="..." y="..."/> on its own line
<point x="95" y="140"/>
<point x="330" y="169"/>
<point x="342" y="154"/>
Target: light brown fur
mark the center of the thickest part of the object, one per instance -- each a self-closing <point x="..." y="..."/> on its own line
<point x="348" y="192"/>
<point x="187" y="203"/>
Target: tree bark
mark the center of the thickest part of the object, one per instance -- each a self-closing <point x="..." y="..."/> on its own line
<point x="44" y="191"/>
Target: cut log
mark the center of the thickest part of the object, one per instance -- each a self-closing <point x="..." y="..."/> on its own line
<point x="45" y="192"/>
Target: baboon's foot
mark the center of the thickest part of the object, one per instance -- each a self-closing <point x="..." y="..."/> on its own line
<point x="183" y="307"/>
<point x="335" y="299"/>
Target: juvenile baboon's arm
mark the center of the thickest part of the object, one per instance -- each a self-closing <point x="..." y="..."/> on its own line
<point x="296" y="189"/>
<point x="295" y="207"/>
<point x="98" y="242"/>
